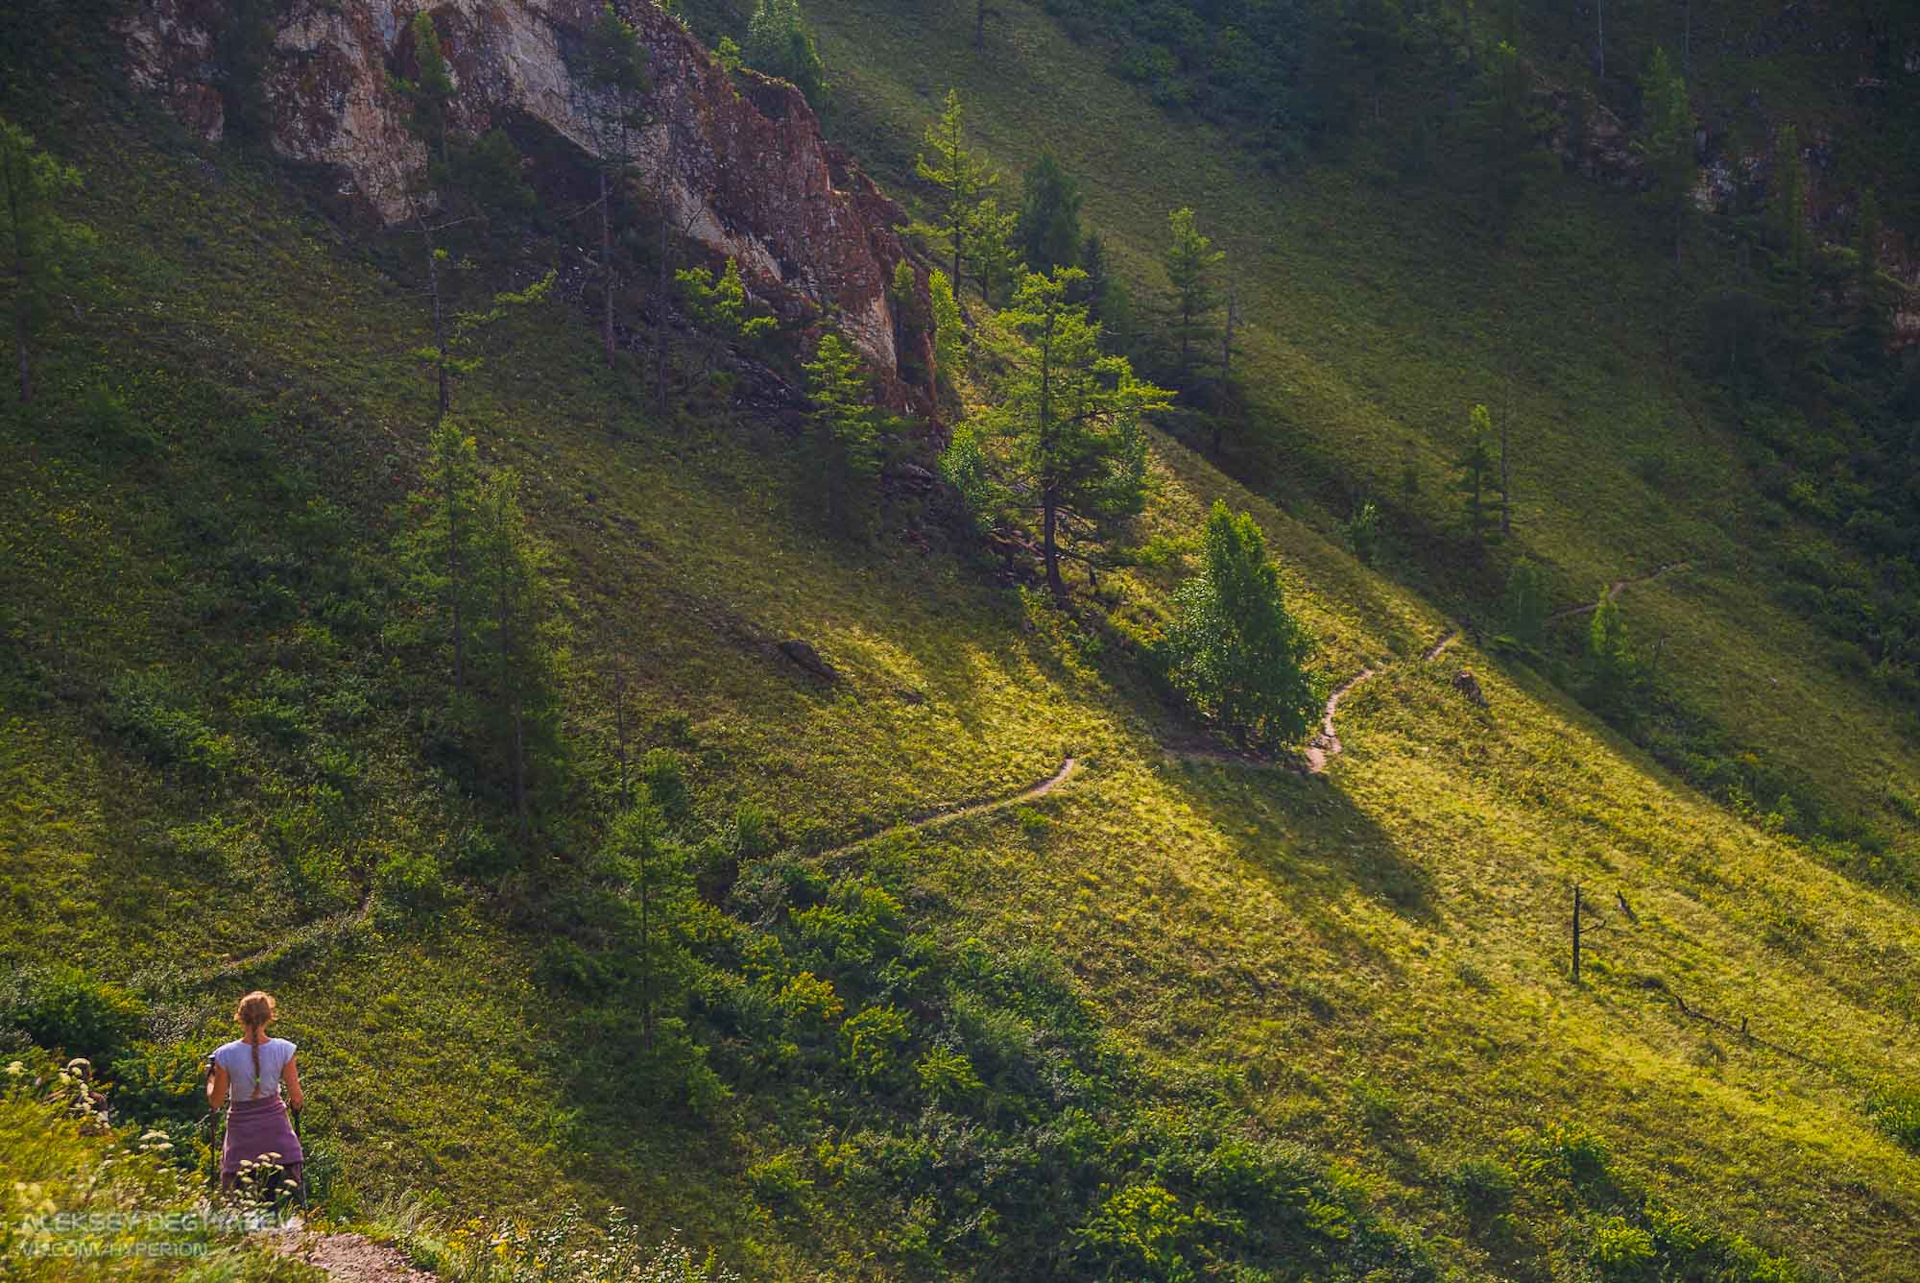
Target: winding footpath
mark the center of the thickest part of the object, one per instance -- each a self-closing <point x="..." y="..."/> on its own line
<point x="318" y="929"/>
<point x="1613" y="591"/>
<point x="948" y="815"/>
<point x="1326" y="745"/>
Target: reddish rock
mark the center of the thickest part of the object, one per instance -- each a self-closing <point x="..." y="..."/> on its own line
<point x="737" y="160"/>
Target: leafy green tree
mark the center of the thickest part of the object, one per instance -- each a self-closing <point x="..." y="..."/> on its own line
<point x="1363" y="531"/>
<point x="1105" y="295"/>
<point x="1049" y="227"/>
<point x="436" y="547"/>
<point x="1872" y="329"/>
<point x="1525" y="604"/>
<point x="949" y="332"/>
<point x="990" y="249"/>
<point x="964" y="180"/>
<point x="617" y="83"/>
<point x="469" y="553"/>
<point x="780" y="44"/>
<point x="1612" y="668"/>
<point x="1191" y="263"/>
<point x="43" y="248"/>
<point x="653" y="875"/>
<point x="1667" y="145"/>
<point x="453" y="354"/>
<point x="1511" y="154"/>
<point x="1233" y="650"/>
<point x="515" y="633"/>
<point x="720" y="308"/>
<point x="1372" y="45"/>
<point x="1791" y="240"/>
<point x="1073" y="423"/>
<point x="1473" y="470"/>
<point x="846" y="424"/>
<point x="429" y="95"/>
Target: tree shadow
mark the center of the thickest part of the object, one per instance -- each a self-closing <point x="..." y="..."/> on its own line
<point x="1308" y="839"/>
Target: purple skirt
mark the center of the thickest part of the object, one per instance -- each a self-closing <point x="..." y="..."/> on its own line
<point x="257" y="1128"/>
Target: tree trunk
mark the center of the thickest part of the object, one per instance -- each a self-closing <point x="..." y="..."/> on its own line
<point x="660" y="325"/>
<point x="620" y="731"/>
<point x="646" y="951"/>
<point x="1576" y="933"/>
<point x="520" y="772"/>
<point x="1600" y="11"/>
<point x="1506" y="477"/>
<point x="1049" y="546"/>
<point x="439" y="319"/>
<point x="606" y="269"/>
<point x="22" y="305"/>
<point x="453" y="576"/>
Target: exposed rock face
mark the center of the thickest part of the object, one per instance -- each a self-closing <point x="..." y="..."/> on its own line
<point x="737" y="160"/>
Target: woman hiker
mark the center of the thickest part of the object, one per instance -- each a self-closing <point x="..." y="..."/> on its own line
<point x="247" y="1077"/>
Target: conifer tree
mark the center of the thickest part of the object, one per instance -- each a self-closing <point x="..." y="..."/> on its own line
<point x="655" y="879"/>
<point x="516" y="658"/>
<point x="453" y="354"/>
<point x="1612" y="668"/>
<point x="1667" y="144"/>
<point x="1790" y="236"/>
<point x="429" y="96"/>
<point x="437" y="545"/>
<point x="1233" y="650"/>
<point x="616" y="78"/>
<point x="846" y="424"/>
<point x="990" y="248"/>
<point x="1510" y="136"/>
<point x="963" y="179"/>
<point x="1526" y="603"/>
<point x="1070" y="422"/>
<point x="720" y="307"/>
<point x="42" y="248"/>
<point x="1473" y="469"/>
<point x="1191" y="263"/>
<point x="780" y="44"/>
<point x="1049" y="227"/>
<point x="949" y="332"/>
<point x="1872" y="330"/>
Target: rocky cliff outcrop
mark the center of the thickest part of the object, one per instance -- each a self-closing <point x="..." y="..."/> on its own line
<point x="736" y="160"/>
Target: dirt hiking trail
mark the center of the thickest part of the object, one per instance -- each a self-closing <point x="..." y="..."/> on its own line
<point x="1614" y="589"/>
<point x="950" y="814"/>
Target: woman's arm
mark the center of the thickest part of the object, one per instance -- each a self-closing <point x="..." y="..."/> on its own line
<point x="217" y="1087"/>
<point x="295" y="1097"/>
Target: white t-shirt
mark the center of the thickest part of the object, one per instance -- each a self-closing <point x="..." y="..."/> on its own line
<point x="236" y="1058"/>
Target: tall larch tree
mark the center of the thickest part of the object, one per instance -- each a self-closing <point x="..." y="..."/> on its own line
<point x="964" y="181"/>
<point x="617" y="84"/>
<point x="1192" y="266"/>
<point x="1069" y="424"/>
<point x="1667" y="145"/>
<point x="42" y="247"/>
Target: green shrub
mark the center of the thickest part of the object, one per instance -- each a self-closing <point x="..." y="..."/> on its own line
<point x="61" y="1006"/>
<point x="159" y="1083"/>
<point x="947" y="1075"/>
<point x="150" y="719"/>
<point x="1483" y="1187"/>
<point x="410" y="880"/>
<point x="660" y="775"/>
<point x="777" y="1181"/>
<point x="871" y="1043"/>
<point x="1895" y="1110"/>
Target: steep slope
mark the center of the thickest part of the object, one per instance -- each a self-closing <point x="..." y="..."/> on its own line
<point x="1377" y="309"/>
<point x="1368" y="964"/>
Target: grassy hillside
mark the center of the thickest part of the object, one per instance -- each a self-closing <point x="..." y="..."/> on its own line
<point x="1378" y="310"/>
<point x="212" y="738"/>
